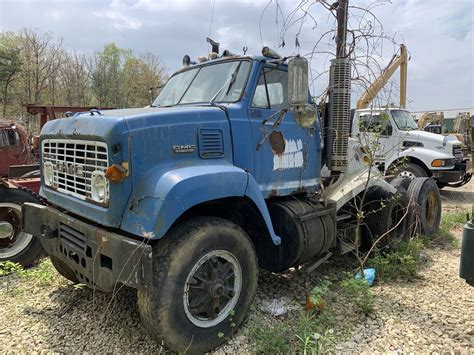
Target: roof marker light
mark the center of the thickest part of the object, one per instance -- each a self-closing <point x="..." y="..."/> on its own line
<point x="227" y="53"/>
<point x="186" y="61"/>
<point x="267" y="52"/>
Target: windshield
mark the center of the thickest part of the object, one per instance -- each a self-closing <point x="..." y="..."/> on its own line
<point x="404" y="120"/>
<point x="223" y="82"/>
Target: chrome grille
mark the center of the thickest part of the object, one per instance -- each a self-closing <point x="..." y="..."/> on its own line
<point x="457" y="151"/>
<point x="73" y="162"/>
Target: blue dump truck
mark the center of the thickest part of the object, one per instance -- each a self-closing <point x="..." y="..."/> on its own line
<point x="231" y="169"/>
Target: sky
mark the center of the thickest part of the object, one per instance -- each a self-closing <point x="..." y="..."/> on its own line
<point x="438" y="34"/>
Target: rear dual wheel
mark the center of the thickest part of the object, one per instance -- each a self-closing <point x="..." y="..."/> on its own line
<point x="205" y="278"/>
<point x="426" y="205"/>
<point x="390" y="217"/>
<point x="387" y="219"/>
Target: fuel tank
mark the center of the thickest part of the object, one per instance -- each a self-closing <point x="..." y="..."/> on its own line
<point x="307" y="230"/>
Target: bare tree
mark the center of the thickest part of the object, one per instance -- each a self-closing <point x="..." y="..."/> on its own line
<point x="75" y="80"/>
<point x="366" y="47"/>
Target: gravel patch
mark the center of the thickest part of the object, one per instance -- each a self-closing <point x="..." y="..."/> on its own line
<point x="433" y="314"/>
<point x="458" y="198"/>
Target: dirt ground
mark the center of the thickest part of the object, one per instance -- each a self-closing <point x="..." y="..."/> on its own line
<point x="433" y="314"/>
<point x="457" y="198"/>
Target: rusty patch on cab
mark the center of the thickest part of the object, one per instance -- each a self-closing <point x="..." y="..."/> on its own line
<point x="277" y="142"/>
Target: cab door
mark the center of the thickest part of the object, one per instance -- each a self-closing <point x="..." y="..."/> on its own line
<point x="377" y="133"/>
<point x="286" y="157"/>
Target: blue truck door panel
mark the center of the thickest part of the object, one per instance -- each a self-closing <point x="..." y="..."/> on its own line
<point x="284" y="153"/>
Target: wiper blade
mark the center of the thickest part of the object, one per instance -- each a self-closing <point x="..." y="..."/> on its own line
<point x="233" y="79"/>
<point x="227" y="84"/>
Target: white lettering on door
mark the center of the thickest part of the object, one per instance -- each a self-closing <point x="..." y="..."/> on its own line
<point x="291" y="158"/>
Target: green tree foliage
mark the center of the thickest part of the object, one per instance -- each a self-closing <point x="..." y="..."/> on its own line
<point x="36" y="68"/>
<point x="9" y="66"/>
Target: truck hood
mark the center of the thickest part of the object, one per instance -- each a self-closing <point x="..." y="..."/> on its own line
<point x="141" y="137"/>
<point x="130" y="114"/>
<point x="433" y="138"/>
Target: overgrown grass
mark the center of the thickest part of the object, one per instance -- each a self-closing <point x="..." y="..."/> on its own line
<point x="270" y="338"/>
<point x="42" y="274"/>
<point x="449" y="221"/>
<point x="359" y="293"/>
<point x="308" y="333"/>
<point x="314" y="333"/>
<point x="402" y="262"/>
<point x="310" y="330"/>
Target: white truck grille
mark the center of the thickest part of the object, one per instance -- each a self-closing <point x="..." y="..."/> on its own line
<point x="457" y="151"/>
<point x="73" y="162"/>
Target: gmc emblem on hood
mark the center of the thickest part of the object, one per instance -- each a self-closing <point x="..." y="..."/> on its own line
<point x="70" y="168"/>
<point x="188" y="148"/>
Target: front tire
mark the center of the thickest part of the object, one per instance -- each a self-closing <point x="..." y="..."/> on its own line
<point x="205" y="278"/>
<point x="407" y="170"/>
<point x="63" y="269"/>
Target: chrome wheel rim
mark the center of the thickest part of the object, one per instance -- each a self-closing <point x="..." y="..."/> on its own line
<point x="18" y="240"/>
<point x="212" y="288"/>
<point x="406" y="174"/>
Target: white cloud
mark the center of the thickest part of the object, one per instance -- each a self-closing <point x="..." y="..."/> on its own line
<point x="118" y="20"/>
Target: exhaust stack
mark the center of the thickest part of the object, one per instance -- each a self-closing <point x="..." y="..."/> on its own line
<point x="340" y="113"/>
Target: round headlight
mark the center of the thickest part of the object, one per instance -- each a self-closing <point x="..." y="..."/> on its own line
<point x="98" y="186"/>
<point x="48" y="173"/>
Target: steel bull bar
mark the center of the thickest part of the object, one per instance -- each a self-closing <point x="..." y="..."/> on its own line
<point x="99" y="258"/>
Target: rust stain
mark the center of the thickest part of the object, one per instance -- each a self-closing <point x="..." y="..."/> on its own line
<point x="277" y="142"/>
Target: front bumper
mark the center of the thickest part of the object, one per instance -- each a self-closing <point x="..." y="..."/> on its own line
<point x="99" y="258"/>
<point x="454" y="175"/>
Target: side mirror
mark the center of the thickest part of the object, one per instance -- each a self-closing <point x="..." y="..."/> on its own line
<point x="388" y="129"/>
<point x="298" y="81"/>
<point x="305" y="114"/>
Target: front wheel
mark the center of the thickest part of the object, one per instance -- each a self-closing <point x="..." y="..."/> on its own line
<point x="406" y="170"/>
<point x="205" y="278"/>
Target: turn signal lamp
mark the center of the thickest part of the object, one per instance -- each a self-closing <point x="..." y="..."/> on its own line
<point x="116" y="173"/>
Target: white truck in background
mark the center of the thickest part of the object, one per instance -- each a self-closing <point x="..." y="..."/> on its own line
<point x="404" y="150"/>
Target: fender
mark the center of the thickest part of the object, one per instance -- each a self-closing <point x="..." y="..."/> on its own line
<point x="353" y="183"/>
<point x="423" y="154"/>
<point x="161" y="198"/>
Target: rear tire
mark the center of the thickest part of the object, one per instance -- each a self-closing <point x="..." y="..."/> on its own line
<point x="403" y="182"/>
<point x="20" y="247"/>
<point x="205" y="278"/>
<point x="385" y="211"/>
<point x="425" y="194"/>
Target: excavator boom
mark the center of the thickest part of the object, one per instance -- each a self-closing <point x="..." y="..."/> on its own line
<point x="397" y="61"/>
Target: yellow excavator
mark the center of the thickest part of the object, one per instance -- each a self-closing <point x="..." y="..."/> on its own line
<point x="398" y="60"/>
<point x="434" y="121"/>
<point x="462" y="130"/>
<point x="431" y="122"/>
